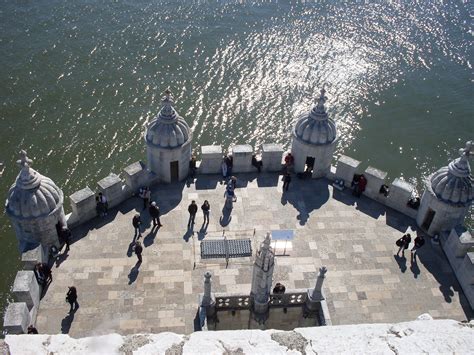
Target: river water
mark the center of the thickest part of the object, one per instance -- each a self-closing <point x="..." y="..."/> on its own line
<point x="80" y="80"/>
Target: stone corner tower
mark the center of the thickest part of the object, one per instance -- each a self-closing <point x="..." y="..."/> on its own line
<point x="35" y="207"/>
<point x="262" y="278"/>
<point x="168" y="142"/>
<point x="448" y="195"/>
<point x="314" y="140"/>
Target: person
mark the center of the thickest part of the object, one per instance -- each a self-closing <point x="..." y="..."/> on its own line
<point x="224" y="168"/>
<point x="233" y="182"/>
<point x="286" y="181"/>
<point x="289" y="161"/>
<point x="136" y="222"/>
<point x="139" y="251"/>
<point x="279" y="289"/>
<point x="355" y="184"/>
<point x="102" y="205"/>
<point x="419" y="242"/>
<point x="145" y="194"/>
<point x="206" y="208"/>
<point x="54" y="252"/>
<point x="155" y="214"/>
<point x="43" y="274"/>
<point x="65" y="236"/>
<point x="362" y="185"/>
<point x="32" y="329"/>
<point x="230" y="164"/>
<point x="71" y="298"/>
<point x="230" y="197"/>
<point x="192" y="167"/>
<point x="403" y="243"/>
<point x="192" y="209"/>
<point x="257" y="163"/>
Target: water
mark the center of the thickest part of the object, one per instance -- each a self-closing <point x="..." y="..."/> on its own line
<point x="81" y="79"/>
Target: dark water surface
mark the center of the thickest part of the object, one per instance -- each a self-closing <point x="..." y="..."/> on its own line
<point x="80" y="79"/>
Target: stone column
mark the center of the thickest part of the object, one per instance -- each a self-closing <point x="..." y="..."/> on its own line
<point x="316" y="295"/>
<point x="208" y="300"/>
<point x="262" y="281"/>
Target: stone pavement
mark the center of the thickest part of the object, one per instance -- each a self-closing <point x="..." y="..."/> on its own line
<point x="354" y="238"/>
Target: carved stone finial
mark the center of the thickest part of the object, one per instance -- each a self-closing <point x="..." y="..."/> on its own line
<point x="24" y="161"/>
<point x="321" y="101"/>
<point x="466" y="151"/>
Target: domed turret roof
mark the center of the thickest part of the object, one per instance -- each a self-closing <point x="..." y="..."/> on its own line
<point x="32" y="195"/>
<point x="167" y="129"/>
<point x="315" y="127"/>
<point x="453" y="183"/>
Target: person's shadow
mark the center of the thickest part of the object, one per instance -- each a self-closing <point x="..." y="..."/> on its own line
<point x="203" y="231"/>
<point x="130" y="248"/>
<point x="402" y="262"/>
<point x="62" y="257"/>
<point x="132" y="276"/>
<point x="150" y="237"/>
<point x="67" y="322"/>
<point x="226" y="217"/>
<point x="414" y="268"/>
<point x="188" y="234"/>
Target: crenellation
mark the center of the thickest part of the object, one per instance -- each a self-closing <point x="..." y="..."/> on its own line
<point x="242" y="155"/>
<point x="83" y="205"/>
<point x="113" y="189"/>
<point x="34" y="256"/>
<point x="26" y="288"/>
<point x="17" y="318"/>
<point x="375" y="180"/>
<point x="346" y="168"/>
<point x="136" y="175"/>
<point x="211" y="159"/>
<point x="272" y="155"/>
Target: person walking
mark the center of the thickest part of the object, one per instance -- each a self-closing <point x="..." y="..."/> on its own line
<point x="403" y="243"/>
<point x="206" y="208"/>
<point x="419" y="242"/>
<point x="286" y="181"/>
<point x="139" y="251"/>
<point x="192" y="209"/>
<point x="71" y="298"/>
<point x="155" y="214"/>
<point x="136" y="222"/>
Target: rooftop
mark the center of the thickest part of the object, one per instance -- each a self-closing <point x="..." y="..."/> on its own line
<point x="354" y="238"/>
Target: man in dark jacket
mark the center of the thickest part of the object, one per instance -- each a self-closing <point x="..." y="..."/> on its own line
<point x="192" y="209"/>
<point x="136" y="222"/>
<point x="139" y="251"/>
<point x="155" y="214"/>
<point x="419" y="242"/>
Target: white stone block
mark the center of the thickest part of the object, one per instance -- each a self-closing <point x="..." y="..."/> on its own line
<point x="400" y="193"/>
<point x="83" y="204"/>
<point x="375" y="180"/>
<point x="346" y="168"/>
<point x="272" y="154"/>
<point x="136" y="176"/>
<point x="211" y="159"/>
<point x="242" y="155"/>
<point x="17" y="318"/>
<point x="112" y="188"/>
<point x="34" y="256"/>
<point x="26" y="288"/>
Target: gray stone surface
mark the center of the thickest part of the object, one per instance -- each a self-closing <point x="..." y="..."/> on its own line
<point x="400" y="193"/>
<point x="272" y="156"/>
<point x="211" y="159"/>
<point x="375" y="179"/>
<point x="83" y="206"/>
<point x="136" y="176"/>
<point x="26" y="288"/>
<point x="17" y="318"/>
<point x="113" y="189"/>
<point x="354" y="238"/>
<point x="242" y="154"/>
<point x="34" y="256"/>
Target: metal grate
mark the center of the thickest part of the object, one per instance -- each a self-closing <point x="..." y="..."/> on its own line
<point x="234" y="248"/>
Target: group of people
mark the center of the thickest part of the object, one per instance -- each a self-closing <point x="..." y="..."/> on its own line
<point x="193" y="208"/>
<point x="359" y="183"/>
<point x="404" y="243"/>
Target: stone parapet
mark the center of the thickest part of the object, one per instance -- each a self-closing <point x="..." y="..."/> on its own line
<point x="467" y="270"/>
<point x="459" y="242"/>
<point x="346" y="168"/>
<point x="83" y="205"/>
<point x="34" y="256"/>
<point x="136" y="175"/>
<point x="211" y="159"/>
<point x="400" y="193"/>
<point x="17" y="318"/>
<point x="26" y="288"/>
<point x="113" y="189"/>
<point x="272" y="154"/>
<point x="375" y="180"/>
<point x="242" y="155"/>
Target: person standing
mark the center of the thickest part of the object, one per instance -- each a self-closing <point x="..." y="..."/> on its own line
<point x="224" y="168"/>
<point x="286" y="181"/>
<point x="403" y="243"/>
<point x="419" y="242"/>
<point x="71" y="298"/>
<point x="65" y="237"/>
<point x="136" y="222"/>
<point x="145" y="194"/>
<point x="206" y="208"/>
<point x="192" y="167"/>
<point x="230" y="164"/>
<point x="155" y="214"/>
<point x="192" y="209"/>
<point x="139" y="251"/>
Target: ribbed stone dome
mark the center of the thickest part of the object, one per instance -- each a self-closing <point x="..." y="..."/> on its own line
<point x="168" y="129"/>
<point x="32" y="194"/>
<point x="453" y="183"/>
<point x="315" y="127"/>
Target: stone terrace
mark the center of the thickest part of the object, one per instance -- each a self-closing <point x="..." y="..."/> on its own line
<point x="354" y="238"/>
